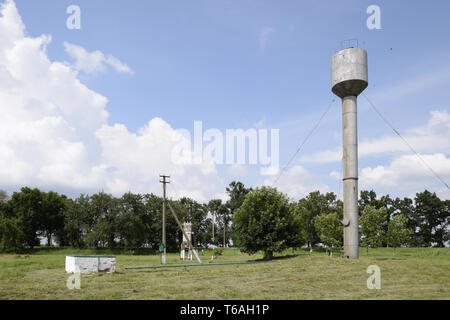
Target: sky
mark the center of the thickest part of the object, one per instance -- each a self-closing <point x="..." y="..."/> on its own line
<point x="100" y="108"/>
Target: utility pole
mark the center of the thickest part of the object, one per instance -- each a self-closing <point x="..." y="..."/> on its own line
<point x="164" y="181"/>
<point x="212" y="212"/>
<point x="224" y="230"/>
<point x="189" y="219"/>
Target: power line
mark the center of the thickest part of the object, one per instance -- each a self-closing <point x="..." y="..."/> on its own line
<point x="305" y="140"/>
<point x="406" y="142"/>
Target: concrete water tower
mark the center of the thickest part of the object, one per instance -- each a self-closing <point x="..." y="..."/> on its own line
<point x="349" y="78"/>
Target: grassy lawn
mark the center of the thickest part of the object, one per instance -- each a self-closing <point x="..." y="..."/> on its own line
<point x="410" y="273"/>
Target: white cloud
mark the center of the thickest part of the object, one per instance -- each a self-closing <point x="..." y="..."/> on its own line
<point x="237" y="171"/>
<point x="297" y="182"/>
<point x="94" y="62"/>
<point x="432" y="138"/>
<point x="54" y="131"/>
<point x="264" y="36"/>
<point x="336" y="175"/>
<point x="136" y="160"/>
<point x="406" y="173"/>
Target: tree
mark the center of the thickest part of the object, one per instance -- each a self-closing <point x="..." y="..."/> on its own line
<point x="12" y="237"/>
<point x="52" y="217"/>
<point x="76" y="221"/>
<point x="370" y="198"/>
<point x="224" y="213"/>
<point x="398" y="232"/>
<point x="329" y="229"/>
<point x="3" y="196"/>
<point x="431" y="215"/>
<point x="153" y="217"/>
<point x="26" y="210"/>
<point x="367" y="198"/>
<point x="132" y="228"/>
<point x="103" y="210"/>
<point x="237" y="192"/>
<point x="373" y="223"/>
<point x="265" y="221"/>
<point x="311" y="207"/>
<point x="213" y="207"/>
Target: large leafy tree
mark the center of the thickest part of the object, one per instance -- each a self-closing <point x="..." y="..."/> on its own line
<point x="26" y="211"/>
<point x="310" y="207"/>
<point x="213" y="207"/>
<point x="12" y="236"/>
<point x="370" y="198"/>
<point x="398" y="232"/>
<point x="265" y="221"/>
<point x="373" y="226"/>
<point x="329" y="229"/>
<point x="153" y="217"/>
<point x="237" y="192"/>
<point x="131" y="221"/>
<point x="432" y="216"/>
<point x="3" y="196"/>
<point x="103" y="210"/>
<point x="52" y="218"/>
<point x="76" y="221"/>
<point x="405" y="207"/>
<point x="225" y="215"/>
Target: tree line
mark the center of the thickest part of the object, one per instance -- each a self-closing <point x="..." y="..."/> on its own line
<point x="269" y="221"/>
<point x="102" y="221"/>
<point x="254" y="219"/>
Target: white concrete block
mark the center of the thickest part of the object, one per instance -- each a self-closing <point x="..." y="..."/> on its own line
<point x="88" y="264"/>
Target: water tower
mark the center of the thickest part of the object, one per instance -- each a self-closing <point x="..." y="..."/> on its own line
<point x="349" y="78"/>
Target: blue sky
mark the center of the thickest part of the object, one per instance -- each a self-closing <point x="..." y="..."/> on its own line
<point x="242" y="64"/>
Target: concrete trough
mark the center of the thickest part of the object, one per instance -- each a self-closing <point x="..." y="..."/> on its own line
<point x="89" y="264"/>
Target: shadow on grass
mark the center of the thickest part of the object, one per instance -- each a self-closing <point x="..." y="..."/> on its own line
<point x="315" y="250"/>
<point x="289" y="256"/>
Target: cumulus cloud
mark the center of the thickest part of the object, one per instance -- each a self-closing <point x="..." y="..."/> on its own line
<point x="432" y="138"/>
<point x="237" y="171"/>
<point x="54" y="130"/>
<point x="94" y="62"/>
<point x="406" y="173"/>
<point x="297" y="182"/>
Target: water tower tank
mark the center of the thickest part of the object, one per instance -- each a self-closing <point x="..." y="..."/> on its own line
<point x="349" y="76"/>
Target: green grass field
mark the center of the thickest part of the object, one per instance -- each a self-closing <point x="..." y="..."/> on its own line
<point x="410" y="273"/>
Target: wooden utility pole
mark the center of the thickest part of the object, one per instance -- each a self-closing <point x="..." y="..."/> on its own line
<point x="224" y="230"/>
<point x="190" y="212"/>
<point x="189" y="220"/>
<point x="164" y="181"/>
<point x="212" y="212"/>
